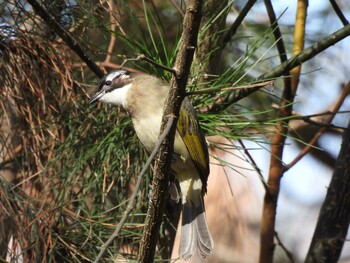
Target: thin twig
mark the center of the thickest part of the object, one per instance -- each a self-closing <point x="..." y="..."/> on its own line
<point x="213" y="90"/>
<point x="113" y="38"/>
<point x="309" y="119"/>
<point x="253" y="163"/>
<point x="242" y="14"/>
<point x="132" y="199"/>
<point x="321" y="124"/>
<point x="27" y="179"/>
<point x="151" y="61"/>
<point x="276" y="32"/>
<point x="117" y="66"/>
<point x="339" y="103"/>
<point x="339" y="13"/>
<point x="74" y="249"/>
<point x="288" y="253"/>
<point x="305" y="117"/>
<point x="178" y="8"/>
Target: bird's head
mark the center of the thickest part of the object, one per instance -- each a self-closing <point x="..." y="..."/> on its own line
<point x="113" y="88"/>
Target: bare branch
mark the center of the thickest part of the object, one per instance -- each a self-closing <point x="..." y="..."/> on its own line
<point x="178" y="8"/>
<point x="284" y="67"/>
<point x="333" y="221"/>
<point x="242" y="14"/>
<point x="213" y="90"/>
<point x="276" y="31"/>
<point x="280" y="132"/>
<point x="113" y="38"/>
<point x="279" y="242"/>
<point x="66" y="36"/>
<point x="339" y="12"/>
<point x="151" y="61"/>
<point x="253" y="163"/>
<point x="306" y="150"/>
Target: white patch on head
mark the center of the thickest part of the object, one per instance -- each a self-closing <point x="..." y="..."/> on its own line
<point x="116" y="96"/>
<point x="111" y="76"/>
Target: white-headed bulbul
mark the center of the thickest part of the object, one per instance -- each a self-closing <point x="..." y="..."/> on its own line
<point x="143" y="97"/>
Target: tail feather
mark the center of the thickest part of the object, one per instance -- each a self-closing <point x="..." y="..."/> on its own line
<point x="205" y="241"/>
<point x="188" y="242"/>
<point x="194" y="232"/>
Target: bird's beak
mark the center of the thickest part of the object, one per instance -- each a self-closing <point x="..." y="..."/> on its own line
<point x="97" y="96"/>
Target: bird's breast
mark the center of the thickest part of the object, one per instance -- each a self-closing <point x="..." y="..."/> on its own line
<point x="147" y="130"/>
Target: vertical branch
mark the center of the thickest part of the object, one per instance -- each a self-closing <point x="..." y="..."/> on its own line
<point x="299" y="39"/>
<point x="233" y="28"/>
<point x="282" y="53"/>
<point x="276" y="31"/>
<point x="334" y="218"/>
<point x="173" y="103"/>
<point x="113" y="38"/>
<point x="276" y="169"/>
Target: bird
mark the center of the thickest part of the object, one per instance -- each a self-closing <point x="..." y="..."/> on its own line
<point x="143" y="97"/>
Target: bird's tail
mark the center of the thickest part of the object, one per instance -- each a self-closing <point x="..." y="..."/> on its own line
<point x="194" y="231"/>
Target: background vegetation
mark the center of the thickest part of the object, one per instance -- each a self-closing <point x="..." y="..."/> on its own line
<point x="67" y="169"/>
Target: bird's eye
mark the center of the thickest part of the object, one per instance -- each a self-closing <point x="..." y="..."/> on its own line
<point x="108" y="83"/>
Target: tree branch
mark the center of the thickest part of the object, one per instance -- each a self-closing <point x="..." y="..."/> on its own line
<point x="333" y="221"/>
<point x="288" y="253"/>
<point x="276" y="31"/>
<point x="267" y="229"/>
<point x="253" y="164"/>
<point x="173" y="103"/>
<point x="113" y="37"/>
<point x="214" y="90"/>
<point x="149" y="60"/>
<point x="66" y="36"/>
<point x="308" y="53"/>
<point x="339" y="13"/>
<point x="233" y="29"/>
<point x="306" y="150"/>
<point x="284" y="67"/>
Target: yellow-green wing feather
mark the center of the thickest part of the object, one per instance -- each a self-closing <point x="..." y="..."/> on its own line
<point x="193" y="137"/>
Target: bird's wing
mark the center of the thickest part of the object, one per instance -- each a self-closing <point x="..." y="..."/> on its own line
<point x="193" y="137"/>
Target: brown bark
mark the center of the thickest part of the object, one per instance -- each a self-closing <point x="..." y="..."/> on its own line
<point x="277" y="170"/>
<point x="334" y="218"/>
